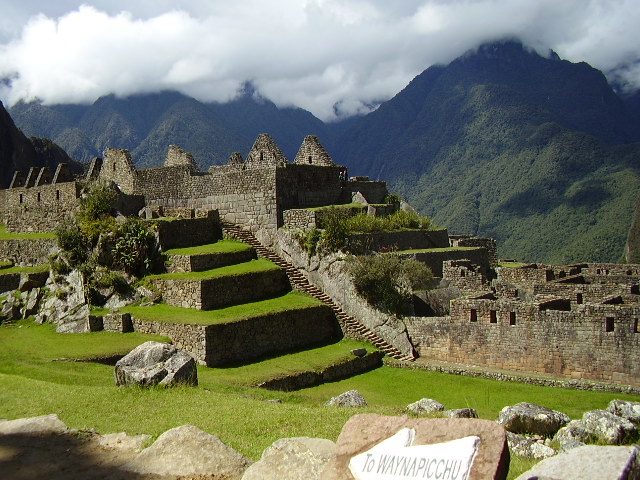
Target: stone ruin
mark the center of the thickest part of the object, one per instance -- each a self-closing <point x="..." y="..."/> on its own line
<point x="578" y="322"/>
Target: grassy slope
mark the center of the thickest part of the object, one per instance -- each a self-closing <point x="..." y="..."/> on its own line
<point x="221" y="246"/>
<point x="259" y="265"/>
<point x="84" y="396"/>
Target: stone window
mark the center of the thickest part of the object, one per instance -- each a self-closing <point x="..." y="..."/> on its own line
<point x="635" y="290"/>
<point x="21" y="200"/>
<point x="493" y="316"/>
<point x="261" y="156"/>
<point x="578" y="298"/>
<point x="512" y="318"/>
<point x="310" y="159"/>
<point x="608" y="324"/>
<point x="473" y="315"/>
<point x="38" y="196"/>
<point x="58" y="195"/>
<point x="462" y="273"/>
<point x="635" y="325"/>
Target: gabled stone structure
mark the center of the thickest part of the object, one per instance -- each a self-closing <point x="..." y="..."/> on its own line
<point x="264" y="152"/>
<point x="313" y="153"/>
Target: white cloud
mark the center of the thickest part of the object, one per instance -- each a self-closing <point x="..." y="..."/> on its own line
<point x="315" y="54"/>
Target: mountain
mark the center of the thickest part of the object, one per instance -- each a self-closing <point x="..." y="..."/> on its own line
<point x="17" y="152"/>
<point x="535" y="151"/>
<point x="532" y="150"/>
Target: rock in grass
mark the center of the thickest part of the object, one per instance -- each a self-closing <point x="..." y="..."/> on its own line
<point x="529" y="418"/>
<point x="609" y="428"/>
<point x="291" y="459"/>
<point x="461" y="413"/>
<point x="528" y="447"/>
<point x="589" y="462"/>
<point x="187" y="451"/>
<point x="352" y="398"/>
<point x="572" y="435"/>
<point x="425" y="406"/>
<point x="154" y="363"/>
<point x="43" y="425"/>
<point x="625" y="409"/>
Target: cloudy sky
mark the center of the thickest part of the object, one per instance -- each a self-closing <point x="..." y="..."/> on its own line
<point x="332" y="57"/>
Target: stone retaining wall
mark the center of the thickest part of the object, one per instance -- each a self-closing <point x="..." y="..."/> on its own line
<point x="219" y="292"/>
<point x="28" y="252"/>
<point x="207" y="261"/>
<point x="403" y="240"/>
<point x="341" y="370"/>
<point x="189" y="232"/>
<point x="215" y="345"/>
<point x="433" y="259"/>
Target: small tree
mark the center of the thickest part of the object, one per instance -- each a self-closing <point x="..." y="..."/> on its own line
<point x="134" y="247"/>
<point x="387" y="281"/>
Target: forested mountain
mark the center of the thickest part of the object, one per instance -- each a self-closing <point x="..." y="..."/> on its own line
<point x="17" y="152"/>
<point x="532" y="150"/>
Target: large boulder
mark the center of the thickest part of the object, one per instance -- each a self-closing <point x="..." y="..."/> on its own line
<point x="188" y="452"/>
<point x="529" y="447"/>
<point x="609" y="428"/>
<point x="154" y="363"/>
<point x="425" y="406"/>
<point x="590" y="461"/>
<point x="625" y="409"/>
<point x="572" y="435"/>
<point x="529" y="418"/>
<point x="352" y="398"/>
<point x="291" y="459"/>
<point x="461" y="413"/>
<point x="43" y="425"/>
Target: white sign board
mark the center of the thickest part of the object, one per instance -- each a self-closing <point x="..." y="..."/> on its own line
<point x="395" y="458"/>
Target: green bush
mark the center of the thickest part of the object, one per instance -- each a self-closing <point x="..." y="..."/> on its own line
<point x="98" y="202"/>
<point x="113" y="280"/>
<point x="335" y="233"/>
<point x="134" y="247"/>
<point x="387" y="281"/>
<point x="73" y="244"/>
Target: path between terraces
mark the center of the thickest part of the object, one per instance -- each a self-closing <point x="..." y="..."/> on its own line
<point x="349" y="324"/>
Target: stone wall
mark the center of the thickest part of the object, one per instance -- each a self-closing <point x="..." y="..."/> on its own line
<point x="528" y="275"/>
<point x="592" y="342"/>
<point x="584" y="293"/>
<point x="42" y="208"/>
<point x="207" y="261"/>
<point x="215" y="345"/>
<point x="181" y="233"/>
<point x="28" y="252"/>
<point x="403" y="240"/>
<point x="220" y="292"/>
<point x="433" y="259"/>
<point x="469" y="241"/>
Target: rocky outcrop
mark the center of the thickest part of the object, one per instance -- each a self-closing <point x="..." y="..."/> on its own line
<point x="292" y="459"/>
<point x="188" y="451"/>
<point x="352" y="398"/>
<point x="529" y="418"/>
<point x="425" y="406"/>
<point x="529" y="447"/>
<point x="154" y="363"/>
<point x="609" y="428"/>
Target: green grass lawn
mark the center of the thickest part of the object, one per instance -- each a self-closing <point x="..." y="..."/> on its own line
<point x="435" y="250"/>
<point x="168" y="314"/>
<point x="252" y="266"/>
<point x="35" y="269"/>
<point x="4" y="235"/>
<point x="38" y="376"/>
<point x="222" y="246"/>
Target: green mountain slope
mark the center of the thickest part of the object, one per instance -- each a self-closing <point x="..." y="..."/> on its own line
<point x="505" y="143"/>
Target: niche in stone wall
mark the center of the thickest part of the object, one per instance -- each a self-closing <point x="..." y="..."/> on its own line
<point x="512" y="318"/>
<point x="493" y="316"/>
<point x="608" y="324"/>
<point x="635" y="325"/>
<point x="473" y="315"/>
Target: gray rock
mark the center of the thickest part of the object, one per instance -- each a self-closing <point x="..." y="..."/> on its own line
<point x="116" y="301"/>
<point x="625" y="409"/>
<point x="359" y="352"/>
<point x="32" y="302"/>
<point x="352" y="398"/>
<point x="292" y="459"/>
<point x="43" y="425"/>
<point x="77" y="320"/>
<point x="609" y="428"/>
<point x="529" y="447"/>
<point x="572" y="435"/>
<point x="589" y="462"/>
<point x="425" y="405"/>
<point x="529" y="418"/>
<point x="188" y="451"/>
<point x="461" y="413"/>
<point x="10" y="309"/>
<point x="154" y="363"/>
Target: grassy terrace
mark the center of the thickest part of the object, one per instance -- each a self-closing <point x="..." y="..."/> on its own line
<point x="236" y="313"/>
<point x="222" y="246"/>
<point x="4" y="235"/>
<point x="253" y="266"/>
<point x="36" y="269"/>
<point x="343" y="205"/>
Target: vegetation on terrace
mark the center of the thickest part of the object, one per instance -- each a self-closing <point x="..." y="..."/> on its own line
<point x="35" y="269"/>
<point x="252" y="266"/>
<point x="4" y="235"/>
<point x="235" y="313"/>
<point x="221" y="246"/>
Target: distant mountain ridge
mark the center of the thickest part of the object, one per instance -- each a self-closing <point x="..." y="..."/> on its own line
<point x="535" y="151"/>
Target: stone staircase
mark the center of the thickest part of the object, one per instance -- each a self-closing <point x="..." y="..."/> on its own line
<point x="349" y="325"/>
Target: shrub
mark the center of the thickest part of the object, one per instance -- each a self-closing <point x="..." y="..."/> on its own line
<point x="334" y="235"/>
<point x="387" y="281"/>
<point x="134" y="247"/>
<point x="72" y="243"/>
<point x="98" y="202"/>
<point x="113" y="280"/>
